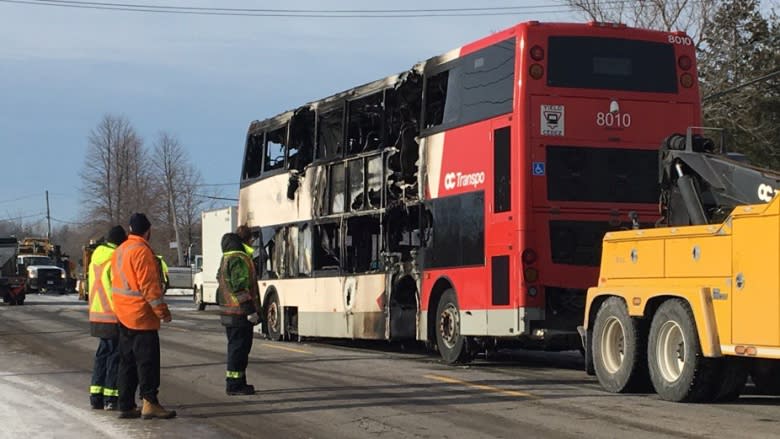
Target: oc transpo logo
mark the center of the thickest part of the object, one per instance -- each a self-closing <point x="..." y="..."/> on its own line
<point x="765" y="192"/>
<point x="458" y="179"/>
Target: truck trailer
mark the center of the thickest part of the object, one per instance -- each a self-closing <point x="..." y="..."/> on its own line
<point x="214" y="224"/>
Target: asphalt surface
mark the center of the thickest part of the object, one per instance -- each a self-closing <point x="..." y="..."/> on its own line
<point x="319" y="389"/>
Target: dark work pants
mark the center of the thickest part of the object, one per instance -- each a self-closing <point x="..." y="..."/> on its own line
<point x="239" y="344"/>
<point x="104" y="371"/>
<point x="139" y="366"/>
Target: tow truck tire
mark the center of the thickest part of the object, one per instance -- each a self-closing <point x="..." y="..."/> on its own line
<point x="452" y="345"/>
<point x="733" y="376"/>
<point x="619" y="349"/>
<point x="765" y="374"/>
<point x="273" y="317"/>
<point x="678" y="370"/>
<point x="197" y="294"/>
<point x="20" y="299"/>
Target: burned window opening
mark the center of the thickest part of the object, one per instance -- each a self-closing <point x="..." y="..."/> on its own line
<point x="364" y="124"/>
<point x="356" y="180"/>
<point x="330" y="134"/>
<point x="363" y="244"/>
<point x="403" y="109"/>
<point x="336" y="188"/>
<point x="374" y="167"/>
<point x="275" y="146"/>
<point x="326" y="247"/>
<point x="435" y="99"/>
<point x="253" y="159"/>
<point x="302" y="136"/>
<point x="404" y="231"/>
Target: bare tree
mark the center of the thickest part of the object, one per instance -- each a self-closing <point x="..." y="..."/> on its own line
<point x="112" y="177"/>
<point x="688" y="16"/>
<point x="178" y="180"/>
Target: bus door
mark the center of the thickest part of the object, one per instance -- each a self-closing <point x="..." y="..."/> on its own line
<point x="501" y="234"/>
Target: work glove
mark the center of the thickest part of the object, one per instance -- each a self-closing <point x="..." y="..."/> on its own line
<point x="254" y="318"/>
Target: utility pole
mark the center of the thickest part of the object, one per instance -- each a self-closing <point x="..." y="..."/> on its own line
<point x="48" y="216"/>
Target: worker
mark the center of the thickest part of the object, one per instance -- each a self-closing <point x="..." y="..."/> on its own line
<point x="238" y="311"/>
<point x="163" y="273"/>
<point x="103" y="390"/>
<point x="139" y="307"/>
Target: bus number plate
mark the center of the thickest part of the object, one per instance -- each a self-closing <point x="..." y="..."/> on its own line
<point x="613" y="120"/>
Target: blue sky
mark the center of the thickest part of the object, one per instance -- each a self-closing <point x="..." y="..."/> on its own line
<point x="201" y="78"/>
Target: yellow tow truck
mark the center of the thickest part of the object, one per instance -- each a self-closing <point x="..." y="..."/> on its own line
<point x="692" y="308"/>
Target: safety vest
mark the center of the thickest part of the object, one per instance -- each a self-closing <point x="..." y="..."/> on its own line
<point x="232" y="300"/>
<point x="133" y="268"/>
<point x="101" y="307"/>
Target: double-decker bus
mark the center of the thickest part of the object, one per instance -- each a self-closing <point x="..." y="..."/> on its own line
<point x="463" y="202"/>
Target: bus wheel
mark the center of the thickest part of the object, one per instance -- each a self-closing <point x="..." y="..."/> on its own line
<point x="765" y="374"/>
<point x="452" y="345"/>
<point x="197" y="295"/>
<point x="273" y="318"/>
<point x="618" y="349"/>
<point x="678" y="370"/>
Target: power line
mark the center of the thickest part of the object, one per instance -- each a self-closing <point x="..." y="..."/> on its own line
<point x="14" y="218"/>
<point x="741" y="86"/>
<point x="356" y="13"/>
<point x="215" y="198"/>
<point x="216" y="184"/>
<point x="23" y="197"/>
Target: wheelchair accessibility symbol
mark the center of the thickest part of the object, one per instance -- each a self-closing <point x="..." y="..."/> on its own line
<point x="538" y="168"/>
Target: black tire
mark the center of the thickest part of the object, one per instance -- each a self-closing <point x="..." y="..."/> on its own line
<point x="678" y="370"/>
<point x="733" y="376"/>
<point x="452" y="346"/>
<point x="619" y="349"/>
<point x="273" y="317"/>
<point x="765" y="374"/>
<point x="197" y="297"/>
<point x="20" y="299"/>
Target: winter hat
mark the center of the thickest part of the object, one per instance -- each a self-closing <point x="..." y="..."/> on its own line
<point x="116" y="235"/>
<point x="139" y="224"/>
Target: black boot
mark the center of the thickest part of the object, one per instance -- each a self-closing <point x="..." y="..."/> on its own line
<point x="96" y="401"/>
<point x="238" y="386"/>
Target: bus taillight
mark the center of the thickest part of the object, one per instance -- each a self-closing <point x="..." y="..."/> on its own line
<point x="536" y="71"/>
<point x="684" y="62"/>
<point x="529" y="256"/>
<point x="537" y="53"/>
<point x="686" y="80"/>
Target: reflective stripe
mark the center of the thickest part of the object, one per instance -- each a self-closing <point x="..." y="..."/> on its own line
<point x="156" y="302"/>
<point x="95" y="390"/>
<point x="234" y="374"/>
<point x="102" y="317"/>
<point x="243" y="297"/>
<point x="127" y="292"/>
<point x="110" y="392"/>
<point x="98" y="289"/>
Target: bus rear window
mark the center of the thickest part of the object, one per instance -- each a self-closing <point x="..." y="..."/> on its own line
<point x="611" y="64"/>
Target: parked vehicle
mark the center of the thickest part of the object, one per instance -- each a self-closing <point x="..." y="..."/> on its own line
<point x="11" y="283"/>
<point x="214" y="224"/>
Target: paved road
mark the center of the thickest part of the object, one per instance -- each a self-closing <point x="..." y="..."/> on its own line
<point x="329" y="390"/>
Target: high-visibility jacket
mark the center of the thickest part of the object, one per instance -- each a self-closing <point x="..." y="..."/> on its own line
<point x="135" y="282"/>
<point x="101" y="312"/>
<point x="238" y="286"/>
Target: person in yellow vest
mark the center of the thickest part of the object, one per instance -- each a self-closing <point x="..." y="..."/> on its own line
<point x="239" y="307"/>
<point x="163" y="273"/>
<point x="103" y="390"/>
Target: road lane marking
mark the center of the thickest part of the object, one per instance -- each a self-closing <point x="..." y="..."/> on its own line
<point x="284" y="348"/>
<point x="449" y="380"/>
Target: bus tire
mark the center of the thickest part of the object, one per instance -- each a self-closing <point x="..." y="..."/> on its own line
<point x="452" y="346"/>
<point x="273" y="317"/>
<point x="197" y="295"/>
<point x="619" y="349"/>
<point x="764" y="373"/>
<point x="678" y="370"/>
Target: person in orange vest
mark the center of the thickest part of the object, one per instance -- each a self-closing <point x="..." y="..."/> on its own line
<point x="103" y="391"/>
<point x="239" y="308"/>
<point x="139" y="307"/>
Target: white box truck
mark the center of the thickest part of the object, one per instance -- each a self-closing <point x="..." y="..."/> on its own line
<point x="214" y="224"/>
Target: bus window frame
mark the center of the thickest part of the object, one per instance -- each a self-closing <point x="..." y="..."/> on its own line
<point x="249" y="135"/>
<point x="270" y="128"/>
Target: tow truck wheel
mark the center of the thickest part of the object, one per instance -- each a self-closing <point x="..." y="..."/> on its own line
<point x="765" y="374"/>
<point x="678" y="370"/>
<point x="618" y="349"/>
<point x="451" y="344"/>
<point x="20" y="299"/>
